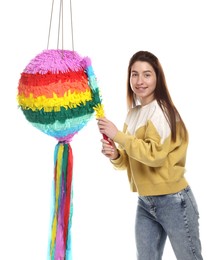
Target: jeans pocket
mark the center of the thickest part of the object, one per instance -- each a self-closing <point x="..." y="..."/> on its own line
<point x="192" y="199"/>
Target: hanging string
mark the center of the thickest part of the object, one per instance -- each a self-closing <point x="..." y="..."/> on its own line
<point x="61" y="25"/>
<point x="60" y="22"/>
<point x="71" y="17"/>
<point x="51" y="15"/>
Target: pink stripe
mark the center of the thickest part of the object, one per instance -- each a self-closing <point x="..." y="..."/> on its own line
<point x="56" y="61"/>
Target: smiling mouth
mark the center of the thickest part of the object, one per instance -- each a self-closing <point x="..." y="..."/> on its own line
<point x="141" y="88"/>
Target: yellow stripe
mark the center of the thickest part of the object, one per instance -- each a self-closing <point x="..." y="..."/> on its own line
<point x="69" y="100"/>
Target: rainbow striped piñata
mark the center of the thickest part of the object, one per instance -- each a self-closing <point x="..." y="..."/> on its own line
<point x="58" y="95"/>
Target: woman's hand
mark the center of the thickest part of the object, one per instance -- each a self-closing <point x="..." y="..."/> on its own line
<point x="109" y="149"/>
<point x="107" y="128"/>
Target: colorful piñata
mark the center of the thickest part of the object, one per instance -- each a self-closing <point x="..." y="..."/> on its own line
<point x="58" y="94"/>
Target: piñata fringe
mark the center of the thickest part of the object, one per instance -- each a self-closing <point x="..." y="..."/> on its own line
<point x="60" y="237"/>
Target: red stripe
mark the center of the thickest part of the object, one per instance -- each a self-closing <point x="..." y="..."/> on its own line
<point x="48" y="78"/>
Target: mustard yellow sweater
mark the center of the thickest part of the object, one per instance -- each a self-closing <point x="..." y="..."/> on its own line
<point x="155" y="164"/>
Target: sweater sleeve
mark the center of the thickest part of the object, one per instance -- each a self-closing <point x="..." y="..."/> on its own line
<point x="150" y="144"/>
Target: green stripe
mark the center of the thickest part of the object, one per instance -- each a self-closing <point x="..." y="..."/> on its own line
<point x="42" y="117"/>
<point x="50" y="117"/>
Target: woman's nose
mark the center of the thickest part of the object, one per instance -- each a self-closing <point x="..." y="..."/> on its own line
<point x="140" y="80"/>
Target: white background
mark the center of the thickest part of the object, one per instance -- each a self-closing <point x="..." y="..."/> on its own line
<point x="185" y="37"/>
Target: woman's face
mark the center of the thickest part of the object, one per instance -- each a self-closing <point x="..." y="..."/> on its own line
<point x="143" y="81"/>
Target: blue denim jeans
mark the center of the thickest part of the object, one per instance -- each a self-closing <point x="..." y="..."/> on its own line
<point x="174" y="215"/>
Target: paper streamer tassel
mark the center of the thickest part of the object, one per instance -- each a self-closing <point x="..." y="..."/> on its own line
<point x="60" y="241"/>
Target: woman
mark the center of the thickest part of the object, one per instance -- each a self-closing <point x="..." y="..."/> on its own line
<point x="152" y="148"/>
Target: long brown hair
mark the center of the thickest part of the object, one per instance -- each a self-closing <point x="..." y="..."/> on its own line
<point x="161" y="93"/>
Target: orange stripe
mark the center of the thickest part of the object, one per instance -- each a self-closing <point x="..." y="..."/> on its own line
<point x="58" y="88"/>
